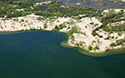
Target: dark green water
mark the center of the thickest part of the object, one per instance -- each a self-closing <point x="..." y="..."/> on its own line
<point x="38" y="54"/>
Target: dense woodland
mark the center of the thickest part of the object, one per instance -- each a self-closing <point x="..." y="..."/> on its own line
<point x="9" y="8"/>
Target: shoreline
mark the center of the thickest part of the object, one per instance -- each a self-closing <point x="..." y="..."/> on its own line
<point x="93" y="54"/>
<point x="79" y="32"/>
<point x="65" y="44"/>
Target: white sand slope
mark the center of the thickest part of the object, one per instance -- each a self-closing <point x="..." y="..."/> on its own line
<point x="86" y="26"/>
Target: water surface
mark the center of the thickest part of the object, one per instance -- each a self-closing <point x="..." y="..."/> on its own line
<point x="97" y="4"/>
<point x="38" y="54"/>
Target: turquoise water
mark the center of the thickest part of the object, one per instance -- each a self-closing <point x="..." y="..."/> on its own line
<point x="38" y="54"/>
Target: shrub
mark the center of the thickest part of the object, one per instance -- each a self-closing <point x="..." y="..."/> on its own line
<point x="112" y="37"/>
<point x="90" y="47"/>
<point x="93" y="42"/>
<point x="45" y="25"/>
<point x="107" y="38"/>
<point x="119" y="34"/>
<point x="72" y="38"/>
<point x="14" y="14"/>
<point x="96" y="48"/>
<point x="94" y="33"/>
<point x="96" y="24"/>
<point x="15" y="19"/>
<point x="92" y="23"/>
<point x="68" y="27"/>
<point x="39" y="18"/>
<point x="61" y="26"/>
<point x="22" y="20"/>
<point x="56" y="28"/>
<point x="112" y="44"/>
<point x="100" y="36"/>
<point x="77" y="44"/>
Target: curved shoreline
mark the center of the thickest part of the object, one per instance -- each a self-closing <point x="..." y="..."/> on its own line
<point x="89" y="29"/>
<point x="94" y="54"/>
<point x="80" y="50"/>
<point x="39" y="25"/>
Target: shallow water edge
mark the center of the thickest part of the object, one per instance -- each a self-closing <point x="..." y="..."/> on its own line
<point x="102" y="54"/>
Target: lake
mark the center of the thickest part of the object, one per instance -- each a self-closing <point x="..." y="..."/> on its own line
<point x="97" y="4"/>
<point x="38" y="54"/>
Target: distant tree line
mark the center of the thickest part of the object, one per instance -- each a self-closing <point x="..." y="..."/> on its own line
<point x="55" y="9"/>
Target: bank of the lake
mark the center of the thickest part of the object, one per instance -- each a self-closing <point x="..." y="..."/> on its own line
<point x="87" y="28"/>
<point x="87" y="52"/>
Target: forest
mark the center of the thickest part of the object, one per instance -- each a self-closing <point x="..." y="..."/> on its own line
<point x="9" y="9"/>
